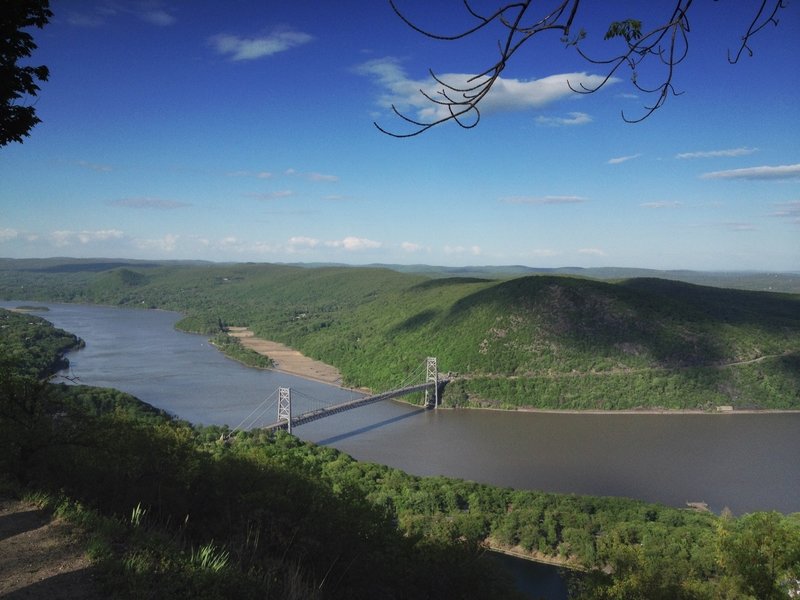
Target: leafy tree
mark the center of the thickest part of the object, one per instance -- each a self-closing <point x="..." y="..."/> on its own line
<point x="761" y="552"/>
<point x="665" y="45"/>
<point x="17" y="82"/>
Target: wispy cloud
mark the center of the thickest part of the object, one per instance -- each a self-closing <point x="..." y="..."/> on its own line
<point x="276" y="195"/>
<point x="740" y="226"/>
<point x="353" y="244"/>
<point x="409" y="247"/>
<point x="507" y="95"/>
<point x="622" y="159"/>
<point x="591" y="251"/>
<point x="8" y="234"/>
<point x="543" y="252"/>
<point x="150" y="203"/>
<point x="473" y="250"/>
<point x="784" y="210"/>
<point x="312" y="176"/>
<point x="250" y="48"/>
<point x="765" y="172"/>
<point x="166" y="243"/>
<point x="157" y="17"/>
<point x="148" y="11"/>
<point x="63" y="238"/>
<point x="301" y="243"/>
<point x="574" y="118"/>
<point x="542" y="200"/>
<point x="743" y="151"/>
<point x="662" y="204"/>
<point x="94" y="166"/>
<point x="256" y="174"/>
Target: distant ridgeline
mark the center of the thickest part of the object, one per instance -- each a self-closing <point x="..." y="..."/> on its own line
<point x="511" y="340"/>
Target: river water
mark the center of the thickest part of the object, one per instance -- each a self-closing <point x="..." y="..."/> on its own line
<point x="745" y="462"/>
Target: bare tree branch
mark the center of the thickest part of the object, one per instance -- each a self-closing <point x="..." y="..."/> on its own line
<point x="756" y="26"/>
<point x="666" y="44"/>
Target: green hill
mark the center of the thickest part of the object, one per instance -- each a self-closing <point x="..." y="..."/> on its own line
<point x="176" y="511"/>
<point x="547" y="341"/>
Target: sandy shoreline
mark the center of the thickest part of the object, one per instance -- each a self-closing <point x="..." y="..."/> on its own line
<point x="286" y="359"/>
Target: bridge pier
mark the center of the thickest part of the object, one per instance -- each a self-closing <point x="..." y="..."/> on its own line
<point x="432" y="376"/>
<point x="285" y="407"/>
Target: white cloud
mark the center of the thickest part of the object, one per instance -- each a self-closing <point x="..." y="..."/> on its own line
<point x="167" y="243"/>
<point x="411" y="247"/>
<point x="313" y="176"/>
<point x="765" y="172"/>
<point x="62" y="238"/>
<point x="541" y="200"/>
<point x="622" y="159"/>
<point x="785" y="210"/>
<point x="157" y="17"/>
<point x="8" y="234"/>
<point x="506" y="95"/>
<point x="301" y="242"/>
<point x="743" y="151"/>
<point x="591" y="251"/>
<point x="242" y="48"/>
<point x="322" y="177"/>
<point x="661" y="204"/>
<point x="574" y="118"/>
<point x="352" y="244"/>
<point x="101" y="235"/>
<point x="474" y="250"/>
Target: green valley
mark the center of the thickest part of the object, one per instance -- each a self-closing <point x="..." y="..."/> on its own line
<point x="177" y="511"/>
<point x="535" y="341"/>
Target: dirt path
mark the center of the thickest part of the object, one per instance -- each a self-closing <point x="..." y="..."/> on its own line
<point x="287" y="359"/>
<point x="41" y="557"/>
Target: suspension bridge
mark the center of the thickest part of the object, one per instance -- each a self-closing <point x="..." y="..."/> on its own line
<point x="286" y="418"/>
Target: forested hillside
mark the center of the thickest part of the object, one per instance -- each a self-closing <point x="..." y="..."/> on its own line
<point x="542" y="341"/>
<point x="176" y="511"/>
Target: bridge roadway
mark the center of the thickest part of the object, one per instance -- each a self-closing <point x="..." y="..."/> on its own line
<point x="313" y="415"/>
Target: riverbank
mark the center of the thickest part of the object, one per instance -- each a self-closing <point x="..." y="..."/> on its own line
<point x="286" y="359"/>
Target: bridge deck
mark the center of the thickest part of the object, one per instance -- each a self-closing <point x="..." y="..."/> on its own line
<point x="313" y="415"/>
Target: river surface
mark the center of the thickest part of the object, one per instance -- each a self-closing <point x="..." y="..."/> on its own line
<point x="745" y="462"/>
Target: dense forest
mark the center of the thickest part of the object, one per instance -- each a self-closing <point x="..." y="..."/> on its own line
<point x="546" y="341"/>
<point x="177" y="511"/>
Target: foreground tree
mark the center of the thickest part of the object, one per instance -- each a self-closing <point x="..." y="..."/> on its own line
<point x="18" y="82"/>
<point x="666" y="44"/>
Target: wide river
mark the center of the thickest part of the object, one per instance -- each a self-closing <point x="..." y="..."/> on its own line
<point x="746" y="462"/>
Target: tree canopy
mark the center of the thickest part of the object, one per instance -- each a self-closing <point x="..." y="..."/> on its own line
<point x="19" y="82"/>
<point x="660" y="48"/>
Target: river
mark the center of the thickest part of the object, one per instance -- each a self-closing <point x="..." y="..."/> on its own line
<point x="745" y="462"/>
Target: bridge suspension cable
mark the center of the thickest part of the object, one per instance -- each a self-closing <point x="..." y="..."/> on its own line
<point x="260" y="409"/>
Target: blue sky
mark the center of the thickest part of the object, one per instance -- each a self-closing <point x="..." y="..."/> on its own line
<point x="243" y="131"/>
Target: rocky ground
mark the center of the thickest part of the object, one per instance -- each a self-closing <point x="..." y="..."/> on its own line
<point x="41" y="556"/>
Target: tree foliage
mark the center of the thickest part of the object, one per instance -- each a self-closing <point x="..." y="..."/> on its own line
<point x="19" y="82"/>
<point x="544" y="341"/>
<point x="664" y="45"/>
<point x="200" y="513"/>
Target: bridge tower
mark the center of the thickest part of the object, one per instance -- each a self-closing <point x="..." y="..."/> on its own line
<point x="285" y="406"/>
<point x="432" y="374"/>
